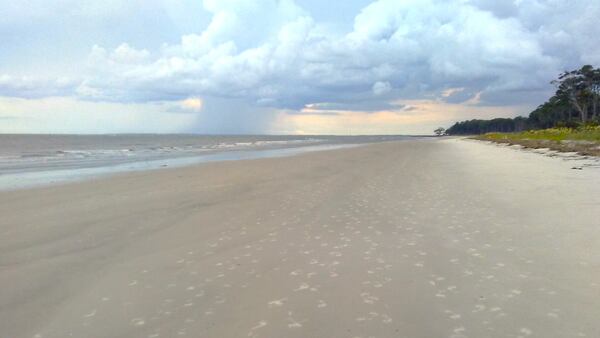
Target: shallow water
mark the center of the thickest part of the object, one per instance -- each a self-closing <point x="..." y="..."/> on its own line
<point x="31" y="160"/>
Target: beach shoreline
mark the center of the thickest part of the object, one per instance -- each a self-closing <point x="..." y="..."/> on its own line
<point x="44" y="178"/>
<point x="38" y="160"/>
<point x="419" y="238"/>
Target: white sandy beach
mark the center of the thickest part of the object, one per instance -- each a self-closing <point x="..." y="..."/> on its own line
<point x="435" y="238"/>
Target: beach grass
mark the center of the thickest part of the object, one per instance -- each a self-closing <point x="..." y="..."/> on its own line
<point x="583" y="140"/>
<point x="552" y="134"/>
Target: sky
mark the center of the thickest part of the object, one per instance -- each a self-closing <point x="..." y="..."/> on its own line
<point x="283" y="66"/>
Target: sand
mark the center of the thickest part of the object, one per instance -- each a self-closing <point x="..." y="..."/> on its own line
<point x="438" y="238"/>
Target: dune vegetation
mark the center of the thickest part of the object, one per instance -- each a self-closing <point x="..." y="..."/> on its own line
<point x="588" y="133"/>
<point x="583" y="140"/>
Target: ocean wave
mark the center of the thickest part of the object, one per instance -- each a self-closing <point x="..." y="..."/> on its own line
<point x="83" y="151"/>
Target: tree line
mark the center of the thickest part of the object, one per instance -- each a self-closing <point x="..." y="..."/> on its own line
<point x="575" y="103"/>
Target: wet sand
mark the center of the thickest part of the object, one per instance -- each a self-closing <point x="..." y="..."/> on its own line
<point x="449" y="238"/>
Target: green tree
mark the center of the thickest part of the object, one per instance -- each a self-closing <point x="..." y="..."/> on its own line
<point x="576" y="102"/>
<point x="581" y="88"/>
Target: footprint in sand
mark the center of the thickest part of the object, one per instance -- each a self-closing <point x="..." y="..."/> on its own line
<point x="277" y="302"/>
<point x="138" y="322"/>
<point x="91" y="314"/>
<point x="302" y="287"/>
<point x="260" y="325"/>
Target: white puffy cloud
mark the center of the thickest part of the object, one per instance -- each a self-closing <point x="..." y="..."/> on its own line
<point x="125" y="54"/>
<point x="272" y="54"/>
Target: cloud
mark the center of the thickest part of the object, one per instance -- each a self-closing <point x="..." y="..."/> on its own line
<point x="69" y="115"/>
<point x="271" y="55"/>
<point x="125" y="54"/>
<point x="192" y="104"/>
<point x="289" y="60"/>
<point x="30" y="86"/>
<point x="452" y="91"/>
<point x="381" y="88"/>
<point x="403" y="117"/>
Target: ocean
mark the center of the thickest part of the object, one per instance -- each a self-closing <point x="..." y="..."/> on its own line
<point x="31" y="160"/>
